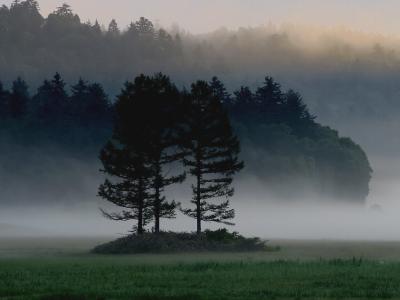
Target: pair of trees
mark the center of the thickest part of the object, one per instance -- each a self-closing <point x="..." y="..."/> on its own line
<point x="160" y="133"/>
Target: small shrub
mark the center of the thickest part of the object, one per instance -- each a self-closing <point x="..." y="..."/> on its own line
<point x="222" y="235"/>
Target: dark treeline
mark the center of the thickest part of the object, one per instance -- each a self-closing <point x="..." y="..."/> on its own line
<point x="87" y="103"/>
<point x="282" y="144"/>
<point x="53" y="111"/>
<point x="35" y="46"/>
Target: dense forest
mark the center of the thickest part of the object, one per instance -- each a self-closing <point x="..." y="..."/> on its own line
<point x="282" y="144"/>
<point x="51" y="132"/>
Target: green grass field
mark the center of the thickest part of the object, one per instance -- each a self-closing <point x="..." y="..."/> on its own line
<point x="62" y="269"/>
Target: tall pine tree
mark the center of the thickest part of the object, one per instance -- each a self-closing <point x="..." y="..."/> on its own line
<point x="213" y="156"/>
<point x="269" y="99"/>
<point x="154" y="121"/>
<point x="80" y="92"/>
<point x="4" y="95"/>
<point x="18" y="100"/>
<point x="244" y="105"/>
<point x="98" y="107"/>
<point x="125" y="159"/>
<point x="220" y="91"/>
<point x="52" y="100"/>
<point x="164" y="110"/>
<point x="296" y="114"/>
<point x="89" y="104"/>
<point x="113" y="29"/>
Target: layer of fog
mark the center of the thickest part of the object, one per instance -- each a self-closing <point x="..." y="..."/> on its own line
<point x="269" y="221"/>
<point x="258" y="214"/>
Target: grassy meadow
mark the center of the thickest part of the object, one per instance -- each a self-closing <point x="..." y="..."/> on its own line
<point x="63" y="269"/>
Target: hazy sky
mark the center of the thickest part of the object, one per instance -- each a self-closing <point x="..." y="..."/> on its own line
<point x="204" y="15"/>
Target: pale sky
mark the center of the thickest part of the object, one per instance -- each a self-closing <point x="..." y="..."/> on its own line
<point x="197" y="16"/>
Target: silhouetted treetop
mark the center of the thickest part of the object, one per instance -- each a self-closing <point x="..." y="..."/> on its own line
<point x="18" y="99"/>
<point x="64" y="11"/>
<point x="113" y="28"/>
<point x="145" y="28"/>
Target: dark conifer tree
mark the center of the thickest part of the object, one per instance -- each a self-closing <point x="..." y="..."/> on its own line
<point x="164" y="111"/>
<point x="130" y="38"/>
<point x="52" y="100"/>
<point x="24" y="16"/>
<point x="4" y="96"/>
<point x="113" y="29"/>
<point x="89" y="104"/>
<point x="58" y="86"/>
<point x="243" y="105"/>
<point x="146" y="39"/>
<point x="79" y="95"/>
<point x="213" y="156"/>
<point x="60" y="21"/>
<point x="41" y="100"/>
<point x="295" y="108"/>
<point x="4" y="23"/>
<point x="132" y="31"/>
<point x="165" y="43"/>
<point x="296" y="114"/>
<point x="125" y="158"/>
<point x="64" y="10"/>
<point x="269" y="98"/>
<point x="154" y="121"/>
<point x="220" y="91"/>
<point x="18" y="100"/>
<point x="98" y="107"/>
<point x="145" y="28"/>
<point x="96" y="28"/>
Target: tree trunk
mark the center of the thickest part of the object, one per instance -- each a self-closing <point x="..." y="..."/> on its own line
<point x="198" y="193"/>
<point x="157" y="211"/>
<point x="140" y="209"/>
<point x="198" y="206"/>
<point x="157" y="199"/>
<point x="140" y="222"/>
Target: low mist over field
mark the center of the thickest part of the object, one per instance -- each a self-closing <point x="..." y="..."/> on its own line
<point x="268" y="221"/>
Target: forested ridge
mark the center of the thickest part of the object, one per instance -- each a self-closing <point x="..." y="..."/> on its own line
<point x="52" y="129"/>
<point x="34" y="46"/>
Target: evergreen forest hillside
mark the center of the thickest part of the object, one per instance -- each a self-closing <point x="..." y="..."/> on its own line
<point x="51" y="138"/>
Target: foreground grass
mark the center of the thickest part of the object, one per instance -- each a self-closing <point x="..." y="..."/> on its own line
<point x="97" y="277"/>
